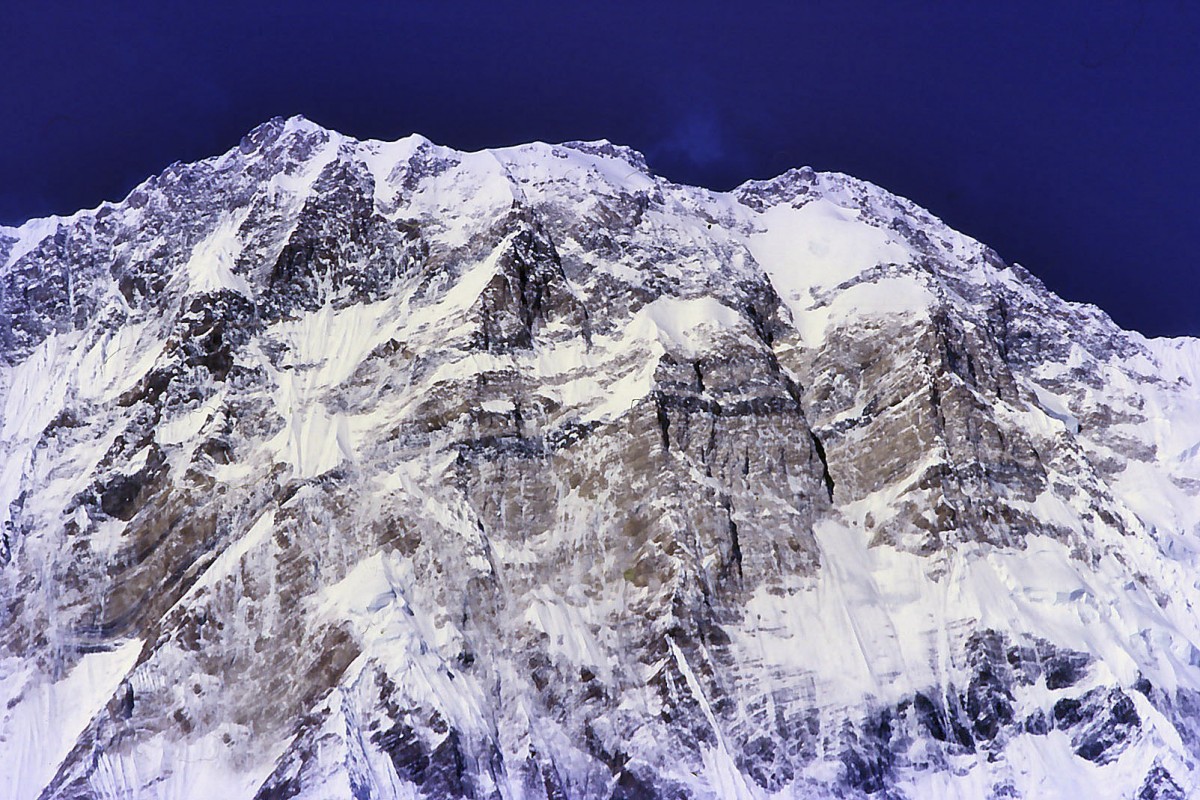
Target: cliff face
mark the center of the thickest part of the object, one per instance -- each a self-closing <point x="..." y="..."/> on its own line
<point x="339" y="469"/>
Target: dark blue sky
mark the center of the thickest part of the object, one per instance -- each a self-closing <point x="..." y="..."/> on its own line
<point x="1063" y="134"/>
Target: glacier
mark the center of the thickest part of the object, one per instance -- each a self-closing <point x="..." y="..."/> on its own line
<point x="356" y="469"/>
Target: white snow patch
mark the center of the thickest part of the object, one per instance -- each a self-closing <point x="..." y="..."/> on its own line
<point x="312" y="440"/>
<point x="414" y="646"/>
<point x="31" y="749"/>
<point x="884" y="618"/>
<point x="31" y="234"/>
<point x="818" y="246"/>
<point x="461" y="201"/>
<point x="569" y="632"/>
<point x="1056" y="408"/>
<point x="1178" y="357"/>
<point x="381" y="160"/>
<point x="37" y="389"/>
<point x="690" y="327"/>
<point x="536" y="164"/>
<point x="168" y="768"/>
<point x="210" y="268"/>
<point x="224" y="564"/>
<point x="323" y="350"/>
<point x="62" y="369"/>
<point x="185" y="426"/>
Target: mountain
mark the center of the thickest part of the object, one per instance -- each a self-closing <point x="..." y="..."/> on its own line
<point x="357" y="469"/>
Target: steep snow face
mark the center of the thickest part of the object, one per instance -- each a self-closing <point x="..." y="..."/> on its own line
<point x="333" y="468"/>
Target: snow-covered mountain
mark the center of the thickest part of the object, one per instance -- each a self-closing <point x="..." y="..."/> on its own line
<point x="356" y="469"/>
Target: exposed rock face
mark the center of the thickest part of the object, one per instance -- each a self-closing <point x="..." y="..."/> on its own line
<point x="338" y="469"/>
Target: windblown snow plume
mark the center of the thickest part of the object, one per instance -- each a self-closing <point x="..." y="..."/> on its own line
<point x="335" y="468"/>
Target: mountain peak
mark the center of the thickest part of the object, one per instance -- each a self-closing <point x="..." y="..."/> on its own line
<point x="277" y="128"/>
<point x="333" y="467"/>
